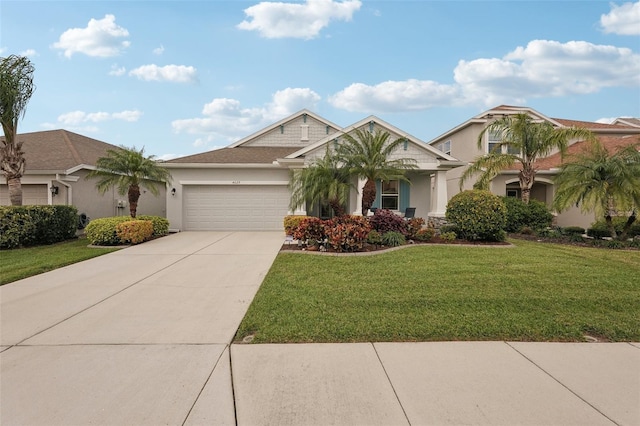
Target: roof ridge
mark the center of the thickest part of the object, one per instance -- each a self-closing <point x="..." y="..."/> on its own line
<point x="71" y="146"/>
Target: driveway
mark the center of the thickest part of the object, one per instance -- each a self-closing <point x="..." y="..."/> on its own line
<point x="139" y="336"/>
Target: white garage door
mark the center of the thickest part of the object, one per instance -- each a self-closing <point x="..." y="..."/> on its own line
<point x="32" y="195"/>
<point x="235" y="207"/>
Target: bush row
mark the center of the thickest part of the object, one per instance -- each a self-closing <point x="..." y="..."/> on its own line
<point x="113" y="231"/>
<point x="22" y="226"/>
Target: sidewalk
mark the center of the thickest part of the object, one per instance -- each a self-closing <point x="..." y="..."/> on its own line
<point x="142" y="337"/>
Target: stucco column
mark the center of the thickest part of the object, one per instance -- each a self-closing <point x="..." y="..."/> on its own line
<point x="358" y="210"/>
<point x="439" y="195"/>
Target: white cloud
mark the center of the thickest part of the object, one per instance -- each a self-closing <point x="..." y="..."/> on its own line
<point x="548" y="69"/>
<point x="542" y="69"/>
<point x="623" y="20"/>
<point x="173" y="73"/>
<point x="75" y="118"/>
<point x="101" y="38"/>
<point x="117" y="71"/>
<point x="605" y="120"/>
<point x="394" y="96"/>
<point x="282" y="20"/>
<point x="167" y="157"/>
<point x="224" y="120"/>
<point x="158" y="50"/>
<point x="29" y="53"/>
<point x="2" y="50"/>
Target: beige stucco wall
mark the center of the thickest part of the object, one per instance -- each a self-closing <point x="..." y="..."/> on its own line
<point x="420" y="193"/>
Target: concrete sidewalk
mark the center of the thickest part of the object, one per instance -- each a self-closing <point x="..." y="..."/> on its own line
<point x="142" y="336"/>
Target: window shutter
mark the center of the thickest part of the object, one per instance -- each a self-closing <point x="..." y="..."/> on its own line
<point x="378" y="201"/>
<point x="405" y="195"/>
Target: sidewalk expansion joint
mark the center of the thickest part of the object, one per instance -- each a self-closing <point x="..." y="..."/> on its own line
<point x="390" y="383"/>
<point x="562" y="384"/>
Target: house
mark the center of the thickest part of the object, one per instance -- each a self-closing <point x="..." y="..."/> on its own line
<point x="462" y="142"/>
<point x="245" y="185"/>
<point x="57" y="162"/>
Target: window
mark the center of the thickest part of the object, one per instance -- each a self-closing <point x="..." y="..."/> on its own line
<point x="390" y="194"/>
<point x="445" y="147"/>
<point x="515" y="193"/>
<point x="494" y="140"/>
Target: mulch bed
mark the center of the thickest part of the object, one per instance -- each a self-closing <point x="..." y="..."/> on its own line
<point x="367" y="248"/>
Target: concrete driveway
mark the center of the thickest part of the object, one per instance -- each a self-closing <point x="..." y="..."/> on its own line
<point x="139" y="336"/>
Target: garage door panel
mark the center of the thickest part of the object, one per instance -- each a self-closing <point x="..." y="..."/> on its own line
<point x="220" y="207"/>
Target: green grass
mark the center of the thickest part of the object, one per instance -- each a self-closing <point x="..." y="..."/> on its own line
<point x="25" y="262"/>
<point x="533" y="292"/>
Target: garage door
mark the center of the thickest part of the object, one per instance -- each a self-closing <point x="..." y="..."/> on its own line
<point x="32" y="194"/>
<point x="235" y="207"/>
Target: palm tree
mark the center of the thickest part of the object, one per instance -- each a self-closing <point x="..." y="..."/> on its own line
<point x="16" y="88"/>
<point x="128" y="169"/>
<point x="599" y="181"/>
<point x="323" y="180"/>
<point x="524" y="141"/>
<point x="369" y="155"/>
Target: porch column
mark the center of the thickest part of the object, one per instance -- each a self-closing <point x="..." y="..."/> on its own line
<point x="358" y="210"/>
<point x="439" y="194"/>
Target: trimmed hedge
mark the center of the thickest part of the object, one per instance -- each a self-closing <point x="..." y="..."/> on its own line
<point x="384" y="221"/>
<point x="534" y="215"/>
<point x="477" y="215"/>
<point x="291" y="222"/>
<point x="134" y="231"/>
<point x="22" y="226"/>
<point x="160" y="224"/>
<point x="600" y="230"/>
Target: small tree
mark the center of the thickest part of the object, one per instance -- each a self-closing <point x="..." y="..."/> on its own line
<point x="368" y="155"/>
<point x="477" y="215"/>
<point x="524" y="141"/>
<point x="16" y="88"/>
<point x="324" y="180"/>
<point x="603" y="182"/>
<point x="128" y="169"/>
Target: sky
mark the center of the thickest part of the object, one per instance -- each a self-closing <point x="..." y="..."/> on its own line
<point x="183" y="77"/>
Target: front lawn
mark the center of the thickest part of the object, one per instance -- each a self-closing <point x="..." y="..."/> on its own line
<point x="25" y="262"/>
<point x="533" y="292"/>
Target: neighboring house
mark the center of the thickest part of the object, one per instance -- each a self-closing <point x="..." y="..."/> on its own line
<point x="245" y="186"/>
<point x="57" y="162"/>
<point x="462" y="143"/>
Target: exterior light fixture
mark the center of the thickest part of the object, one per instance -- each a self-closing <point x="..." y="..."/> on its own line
<point x="173" y="192"/>
<point x="54" y="190"/>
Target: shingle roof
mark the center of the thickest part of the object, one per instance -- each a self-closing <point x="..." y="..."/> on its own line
<point x="610" y="143"/>
<point x="60" y="150"/>
<point x="239" y="155"/>
<point x="592" y="125"/>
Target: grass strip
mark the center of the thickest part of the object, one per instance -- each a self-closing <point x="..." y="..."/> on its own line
<point x="533" y="292"/>
<point x="21" y="263"/>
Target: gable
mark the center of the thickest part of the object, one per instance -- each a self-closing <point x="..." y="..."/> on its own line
<point x="298" y="130"/>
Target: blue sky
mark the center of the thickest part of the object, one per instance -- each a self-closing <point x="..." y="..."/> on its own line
<point x="182" y="77"/>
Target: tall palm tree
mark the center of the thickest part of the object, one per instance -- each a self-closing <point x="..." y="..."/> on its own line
<point x="368" y="155"/>
<point x="16" y="88"/>
<point x="324" y="180"/>
<point x="603" y="182"/>
<point x="522" y="141"/>
<point x="128" y="169"/>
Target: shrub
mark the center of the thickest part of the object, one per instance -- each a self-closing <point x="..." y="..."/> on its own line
<point x="347" y="233"/>
<point x="600" y="230"/>
<point x="393" y="239"/>
<point x="291" y="222"/>
<point x="448" y="236"/>
<point x="535" y="215"/>
<point x="134" y="231"/>
<point x="414" y="225"/>
<point x="310" y="230"/>
<point x="16" y="227"/>
<point x="425" y="234"/>
<point x="478" y="215"/>
<point x="160" y="224"/>
<point x="576" y="238"/>
<point x="448" y="228"/>
<point x="385" y="221"/>
<point x="572" y="230"/>
<point x="527" y="231"/>
<point x="102" y="232"/>
<point x="550" y="233"/>
<point x="635" y="243"/>
<point x="34" y="225"/>
<point x="374" y="237"/>
<point x="615" y="244"/>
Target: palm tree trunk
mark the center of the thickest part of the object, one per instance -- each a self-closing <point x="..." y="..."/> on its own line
<point x="134" y="196"/>
<point x="627" y="226"/>
<point x="368" y="196"/>
<point x="337" y="208"/>
<point x="15" y="190"/>
<point x="526" y="176"/>
<point x="609" y="221"/>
